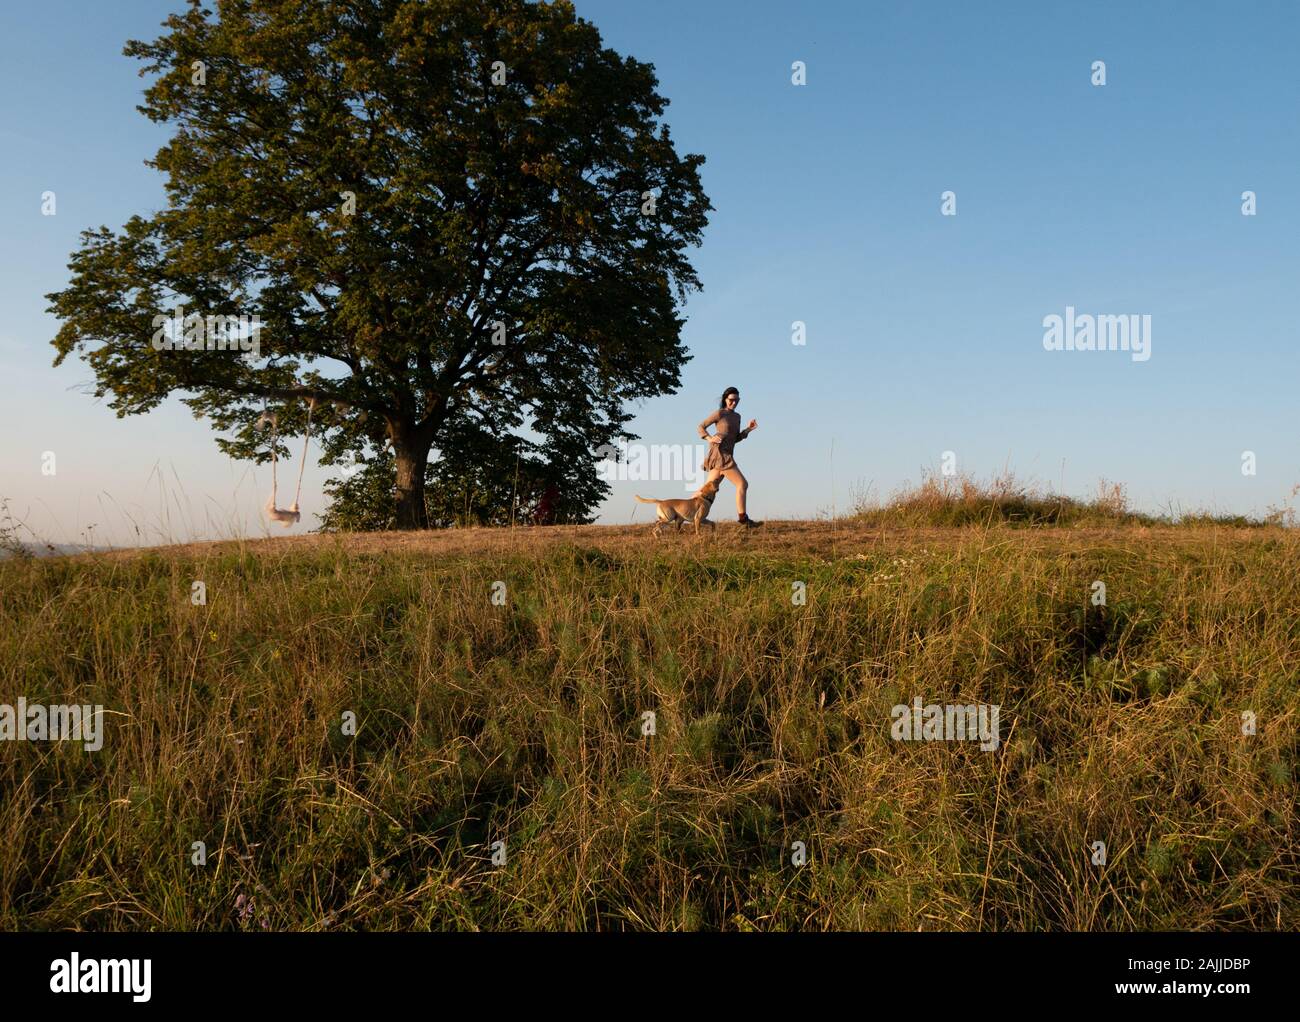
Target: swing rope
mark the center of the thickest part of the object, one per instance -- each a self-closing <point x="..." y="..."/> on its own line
<point x="306" y="436"/>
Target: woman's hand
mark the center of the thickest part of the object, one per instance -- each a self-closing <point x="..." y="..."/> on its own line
<point x="713" y="438"/>
<point x="753" y="425"/>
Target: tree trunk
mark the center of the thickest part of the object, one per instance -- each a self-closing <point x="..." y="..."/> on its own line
<point x="412" y="457"/>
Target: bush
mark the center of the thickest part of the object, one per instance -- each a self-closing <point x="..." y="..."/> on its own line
<point x="966" y="500"/>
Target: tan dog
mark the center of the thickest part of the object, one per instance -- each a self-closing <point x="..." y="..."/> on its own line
<point x="690" y="509"/>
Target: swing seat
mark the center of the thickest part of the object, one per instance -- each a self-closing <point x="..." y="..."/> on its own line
<point x="285" y="517"/>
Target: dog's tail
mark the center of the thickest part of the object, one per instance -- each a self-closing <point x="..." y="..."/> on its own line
<point x="645" y="500"/>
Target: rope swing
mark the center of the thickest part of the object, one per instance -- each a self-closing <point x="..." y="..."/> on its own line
<point x="292" y="515"/>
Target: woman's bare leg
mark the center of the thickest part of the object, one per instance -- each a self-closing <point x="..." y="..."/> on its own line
<point x="742" y="485"/>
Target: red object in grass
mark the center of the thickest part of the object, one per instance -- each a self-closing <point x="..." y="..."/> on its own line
<point x="545" y="511"/>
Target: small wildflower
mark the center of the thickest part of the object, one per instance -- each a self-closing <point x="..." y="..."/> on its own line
<point x="212" y="636"/>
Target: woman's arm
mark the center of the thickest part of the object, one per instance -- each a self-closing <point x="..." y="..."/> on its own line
<point x="753" y="425"/>
<point x="704" y="426"/>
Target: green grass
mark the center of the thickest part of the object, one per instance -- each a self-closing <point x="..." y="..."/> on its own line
<point x="522" y="723"/>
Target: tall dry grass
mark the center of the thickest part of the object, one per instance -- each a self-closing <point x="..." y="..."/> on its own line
<point x="964" y="499"/>
<point x="522" y="723"/>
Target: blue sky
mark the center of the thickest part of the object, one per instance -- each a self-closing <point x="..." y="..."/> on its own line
<point x="924" y="331"/>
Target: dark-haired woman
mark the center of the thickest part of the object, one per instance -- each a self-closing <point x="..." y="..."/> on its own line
<point x="720" y="461"/>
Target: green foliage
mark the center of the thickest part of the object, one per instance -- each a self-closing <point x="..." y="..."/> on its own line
<point x="476" y="479"/>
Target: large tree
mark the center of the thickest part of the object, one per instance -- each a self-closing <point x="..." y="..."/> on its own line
<point x="442" y="211"/>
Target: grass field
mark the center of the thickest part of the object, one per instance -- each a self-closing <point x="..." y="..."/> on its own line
<point x="521" y="721"/>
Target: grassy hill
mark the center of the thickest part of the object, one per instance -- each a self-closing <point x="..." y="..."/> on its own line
<point x="521" y="721"/>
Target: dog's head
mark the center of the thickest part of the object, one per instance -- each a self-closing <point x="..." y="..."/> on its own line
<point x="709" y="491"/>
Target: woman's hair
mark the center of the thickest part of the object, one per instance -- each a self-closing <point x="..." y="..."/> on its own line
<point x="722" y="402"/>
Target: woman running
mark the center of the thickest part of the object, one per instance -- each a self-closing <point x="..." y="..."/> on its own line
<point x="720" y="461"/>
